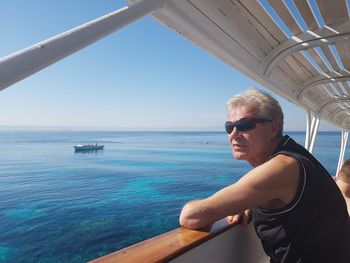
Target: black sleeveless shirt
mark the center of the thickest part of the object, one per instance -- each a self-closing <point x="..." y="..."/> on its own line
<point x="314" y="227"/>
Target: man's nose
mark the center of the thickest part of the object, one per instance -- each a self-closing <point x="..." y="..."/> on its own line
<point x="234" y="134"/>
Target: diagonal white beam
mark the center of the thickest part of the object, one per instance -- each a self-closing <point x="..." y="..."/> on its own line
<point x="28" y="61"/>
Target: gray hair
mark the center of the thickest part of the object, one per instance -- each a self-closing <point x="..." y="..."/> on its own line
<point x="267" y="106"/>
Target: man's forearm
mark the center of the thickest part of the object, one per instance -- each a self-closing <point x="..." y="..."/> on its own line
<point x="196" y="214"/>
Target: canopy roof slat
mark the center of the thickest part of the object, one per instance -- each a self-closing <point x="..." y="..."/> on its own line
<point x="329" y="89"/>
<point x="342" y="118"/>
<point x="310" y="70"/>
<point x="316" y="57"/>
<point x="341" y="87"/>
<point x="309" y="65"/>
<point x="346" y="87"/>
<point x="283" y="12"/>
<point x="333" y="12"/>
<point x="326" y="77"/>
<point x="262" y="30"/>
<point x="264" y="19"/>
<point x="332" y="108"/>
<point x="346" y="90"/>
<point x="325" y="105"/>
<point x="330" y="57"/>
<point x="307" y="14"/>
<point x="193" y="23"/>
<point x="343" y="50"/>
<point x="322" y="37"/>
<point x="298" y="68"/>
<point x="337" y="88"/>
<point x="339" y="111"/>
<point x="320" y="91"/>
<point x="289" y="71"/>
<point x="227" y="15"/>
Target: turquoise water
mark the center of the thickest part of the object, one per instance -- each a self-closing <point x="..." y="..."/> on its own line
<point x="60" y="206"/>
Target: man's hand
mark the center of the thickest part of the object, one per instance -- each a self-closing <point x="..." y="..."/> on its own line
<point x="243" y="219"/>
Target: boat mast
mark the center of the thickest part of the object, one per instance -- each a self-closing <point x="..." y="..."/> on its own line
<point x="30" y="60"/>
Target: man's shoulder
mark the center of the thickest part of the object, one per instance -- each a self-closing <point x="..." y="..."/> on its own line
<point x="283" y="161"/>
<point x="280" y="171"/>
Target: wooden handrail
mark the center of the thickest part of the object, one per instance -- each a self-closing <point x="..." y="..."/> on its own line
<point x="165" y="247"/>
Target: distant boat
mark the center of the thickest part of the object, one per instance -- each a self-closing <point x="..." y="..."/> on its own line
<point x="88" y="147"/>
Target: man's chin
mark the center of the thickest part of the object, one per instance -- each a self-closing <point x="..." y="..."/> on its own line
<point x="239" y="156"/>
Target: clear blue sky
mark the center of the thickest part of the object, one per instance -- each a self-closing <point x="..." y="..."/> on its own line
<point x="144" y="76"/>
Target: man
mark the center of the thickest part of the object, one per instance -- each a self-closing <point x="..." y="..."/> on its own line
<point x="298" y="211"/>
<point x="343" y="181"/>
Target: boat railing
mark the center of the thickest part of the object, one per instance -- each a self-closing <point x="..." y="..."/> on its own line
<point x="221" y="243"/>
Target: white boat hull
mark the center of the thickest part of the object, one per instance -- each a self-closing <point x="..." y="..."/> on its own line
<point x="239" y="244"/>
<point x="88" y="147"/>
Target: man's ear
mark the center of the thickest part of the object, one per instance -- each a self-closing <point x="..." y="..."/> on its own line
<point x="275" y="128"/>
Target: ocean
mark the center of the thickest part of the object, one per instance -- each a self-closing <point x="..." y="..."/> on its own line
<point x="57" y="205"/>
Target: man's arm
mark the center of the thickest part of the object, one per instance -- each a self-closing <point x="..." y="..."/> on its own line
<point x="271" y="185"/>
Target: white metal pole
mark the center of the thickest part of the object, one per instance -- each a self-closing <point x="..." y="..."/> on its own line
<point x="312" y="127"/>
<point x="340" y="153"/>
<point x="28" y="61"/>
<point x="346" y="135"/>
<point x="344" y="140"/>
<point x="316" y="124"/>
<point x="307" y="133"/>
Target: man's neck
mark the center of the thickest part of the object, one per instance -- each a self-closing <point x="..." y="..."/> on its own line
<point x="266" y="155"/>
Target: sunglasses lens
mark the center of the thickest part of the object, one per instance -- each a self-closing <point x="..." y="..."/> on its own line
<point x="229" y="126"/>
<point x="245" y="125"/>
<point x="241" y="125"/>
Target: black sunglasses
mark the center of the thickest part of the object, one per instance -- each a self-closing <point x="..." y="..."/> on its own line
<point x="243" y="124"/>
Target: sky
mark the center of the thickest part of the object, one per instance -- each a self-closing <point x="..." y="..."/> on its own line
<point x="142" y="77"/>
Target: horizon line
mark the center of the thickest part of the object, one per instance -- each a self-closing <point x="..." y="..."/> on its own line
<point x="126" y="129"/>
